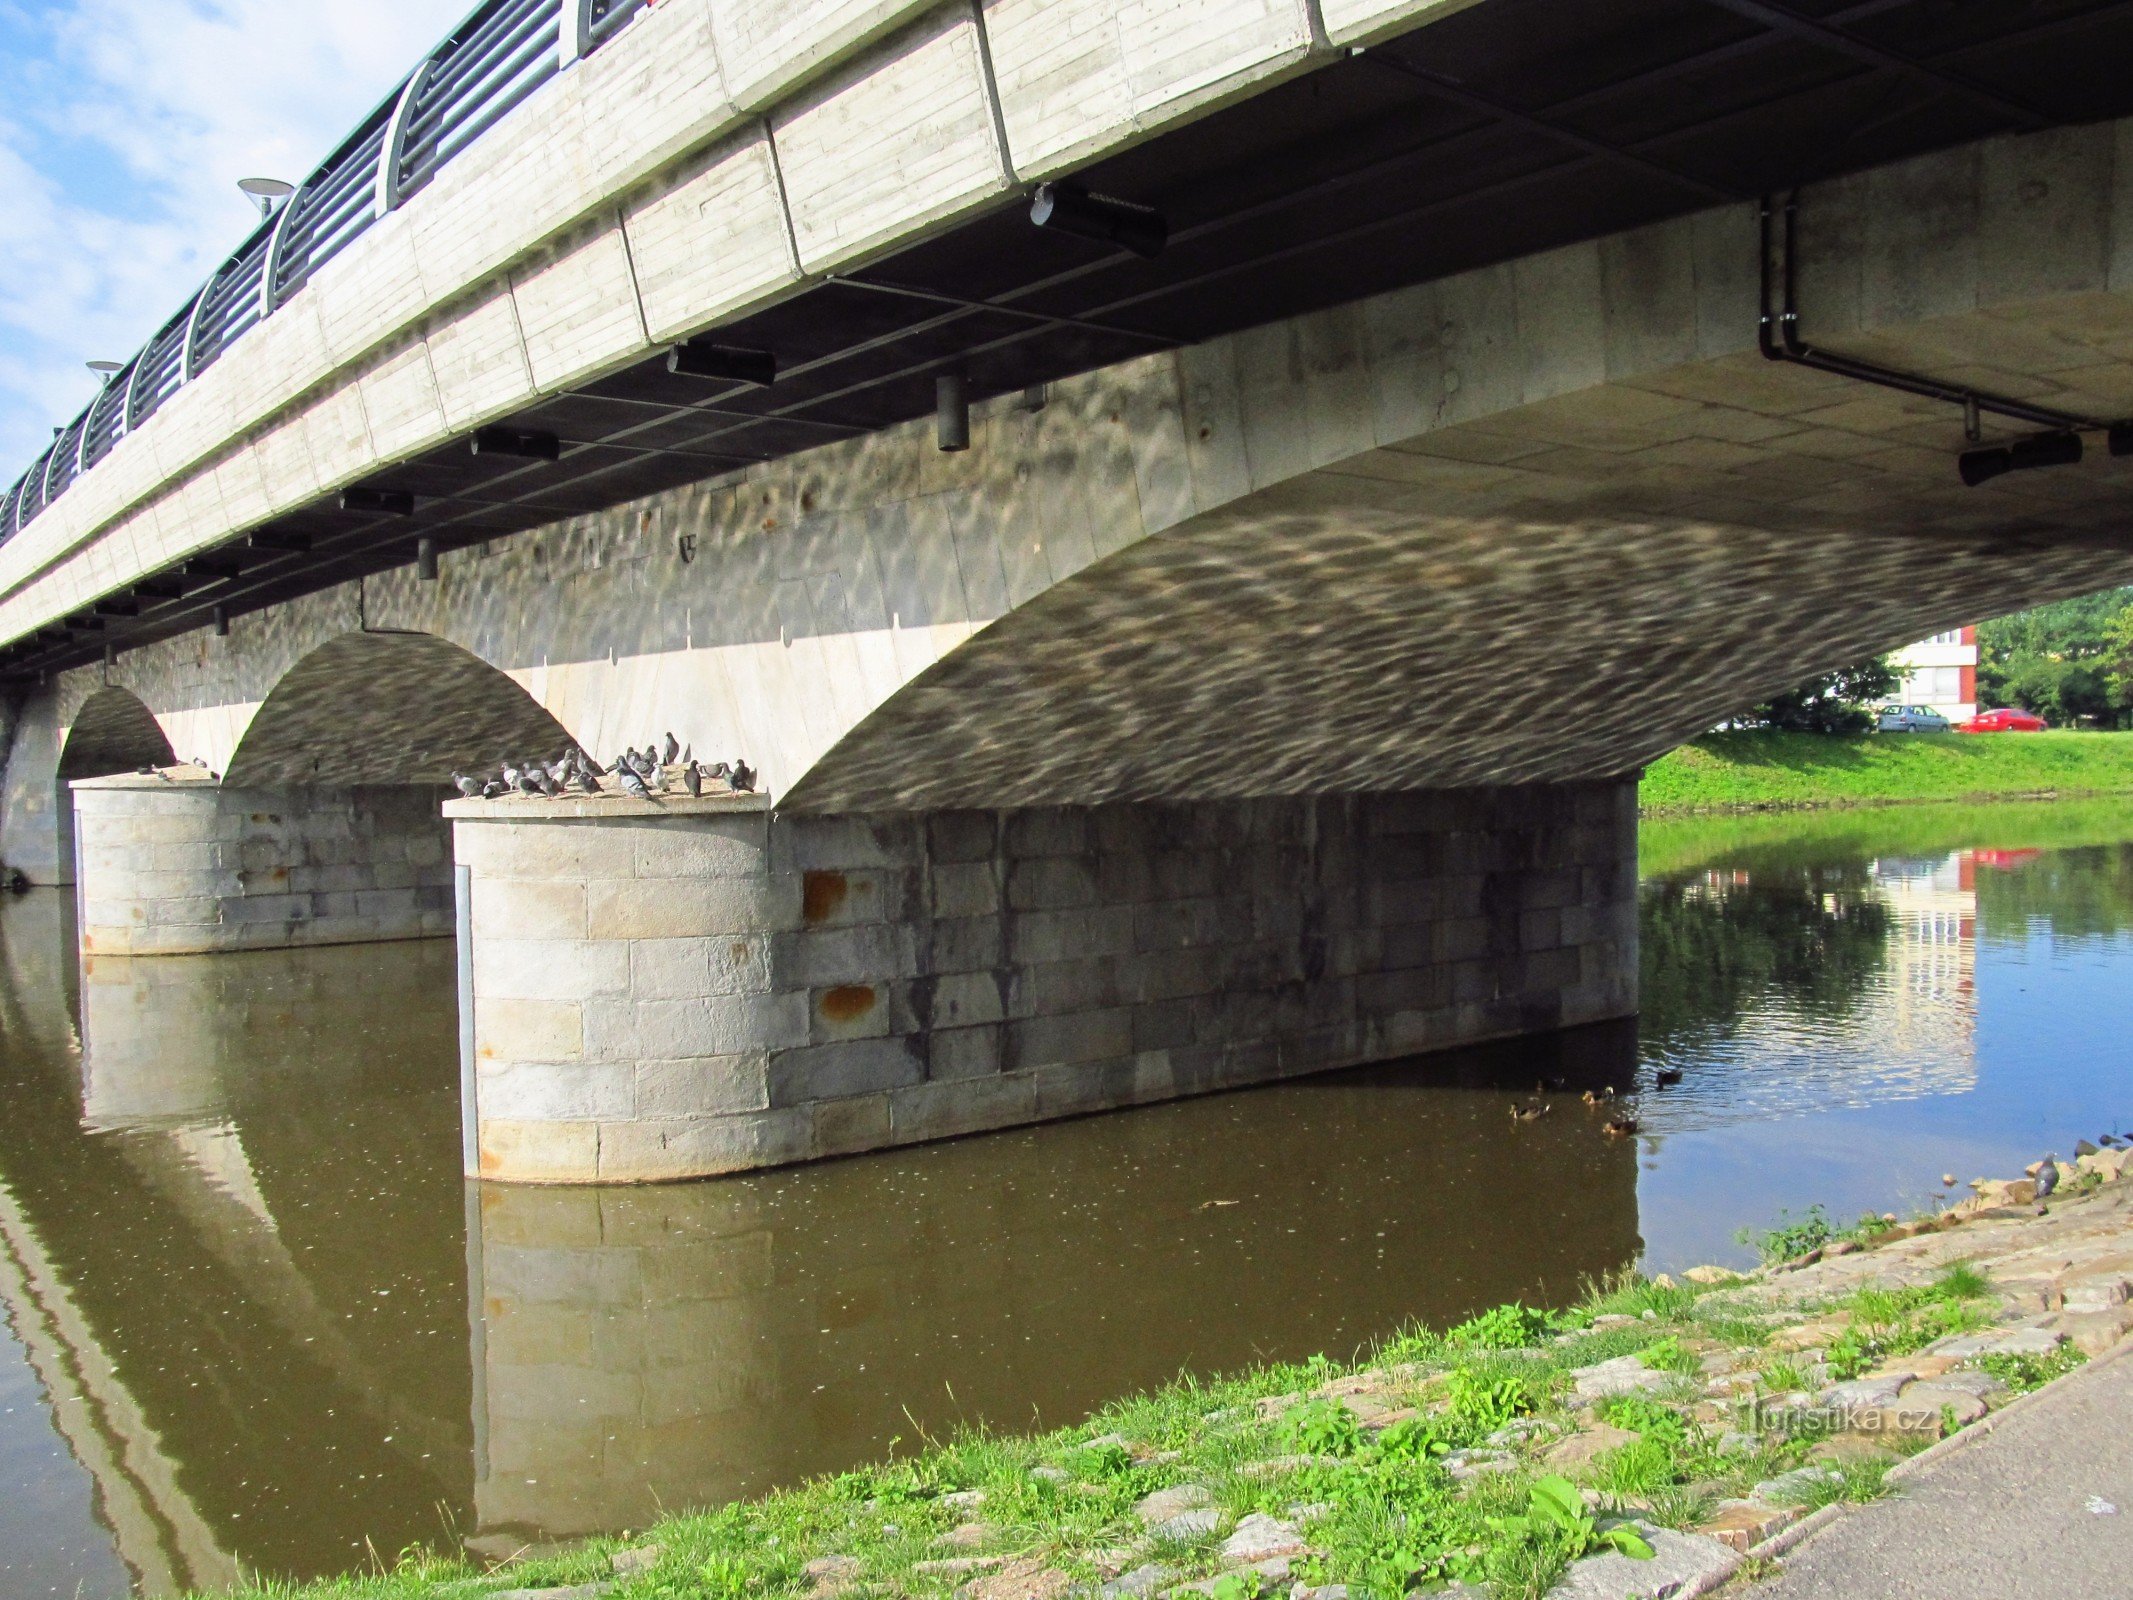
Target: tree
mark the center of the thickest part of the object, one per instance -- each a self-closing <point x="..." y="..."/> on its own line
<point x="1835" y="702"/>
<point x="2069" y="661"/>
<point x="2115" y="660"/>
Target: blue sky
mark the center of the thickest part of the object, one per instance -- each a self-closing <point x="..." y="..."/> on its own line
<point x="124" y="127"/>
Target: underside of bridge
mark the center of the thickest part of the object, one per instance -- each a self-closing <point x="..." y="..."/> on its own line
<point x="1266" y="695"/>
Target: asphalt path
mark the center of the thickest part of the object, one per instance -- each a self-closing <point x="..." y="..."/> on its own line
<point x="2020" y="1512"/>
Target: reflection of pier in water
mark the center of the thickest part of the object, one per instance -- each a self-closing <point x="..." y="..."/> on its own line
<point x="227" y="1262"/>
<point x="1903" y="1027"/>
<point x="248" y="1184"/>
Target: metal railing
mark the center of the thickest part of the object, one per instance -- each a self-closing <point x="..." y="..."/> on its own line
<point x="494" y="59"/>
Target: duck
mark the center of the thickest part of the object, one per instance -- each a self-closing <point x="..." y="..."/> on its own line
<point x="1619" y="1127"/>
<point x="1599" y="1096"/>
<point x="1521" y="1113"/>
<point x="1668" y="1077"/>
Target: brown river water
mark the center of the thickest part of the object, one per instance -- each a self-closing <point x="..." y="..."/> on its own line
<point x="255" y="1319"/>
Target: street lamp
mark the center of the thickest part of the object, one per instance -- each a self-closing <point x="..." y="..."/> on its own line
<point x="265" y="193"/>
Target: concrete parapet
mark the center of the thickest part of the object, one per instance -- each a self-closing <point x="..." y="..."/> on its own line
<point x="669" y="989"/>
<point x="177" y="864"/>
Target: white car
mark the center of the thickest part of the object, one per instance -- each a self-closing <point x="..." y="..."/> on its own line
<point x="1912" y="719"/>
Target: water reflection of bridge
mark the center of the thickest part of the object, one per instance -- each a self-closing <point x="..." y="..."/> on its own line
<point x="242" y="1197"/>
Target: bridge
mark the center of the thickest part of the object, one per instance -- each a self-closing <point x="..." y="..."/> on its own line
<point x="1197" y="516"/>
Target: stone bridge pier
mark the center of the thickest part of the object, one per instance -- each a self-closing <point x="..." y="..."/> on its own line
<point x="668" y="988"/>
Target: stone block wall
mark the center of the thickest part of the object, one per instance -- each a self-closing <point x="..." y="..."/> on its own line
<point x="180" y="867"/>
<point x="665" y="992"/>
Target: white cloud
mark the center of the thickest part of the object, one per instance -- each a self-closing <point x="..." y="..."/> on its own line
<point x="123" y="129"/>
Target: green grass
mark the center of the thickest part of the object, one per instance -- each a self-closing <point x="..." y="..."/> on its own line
<point x="1758" y="771"/>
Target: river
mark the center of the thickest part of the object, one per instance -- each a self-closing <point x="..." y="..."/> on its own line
<point x="254" y="1318"/>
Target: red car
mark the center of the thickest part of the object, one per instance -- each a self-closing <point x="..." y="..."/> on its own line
<point x="2005" y="720"/>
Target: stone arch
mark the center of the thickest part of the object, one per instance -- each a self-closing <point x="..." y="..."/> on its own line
<point x="113" y="731"/>
<point x="380" y="708"/>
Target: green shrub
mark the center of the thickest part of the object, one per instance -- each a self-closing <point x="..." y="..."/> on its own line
<point x="1790" y="1238"/>
<point x="1324" y="1428"/>
<point x="2023" y="1373"/>
<point x="1511" y="1327"/>
<point x="1483" y="1400"/>
<point x="1638" y="1468"/>
<point x="1648" y="1417"/>
<point x="1669" y="1355"/>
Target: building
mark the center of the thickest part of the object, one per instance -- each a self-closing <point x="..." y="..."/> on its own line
<point x="1941" y="672"/>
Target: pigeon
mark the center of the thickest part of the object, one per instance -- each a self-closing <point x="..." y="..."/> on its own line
<point x="494" y="789"/>
<point x="2111" y="1141"/>
<point x="559" y="771"/>
<point x="528" y="783"/>
<point x="587" y="765"/>
<point x="688" y="754"/>
<point x="511" y="776"/>
<point x="718" y="770"/>
<point x="742" y="778"/>
<point x="670" y="751"/>
<point x="2048" y="1176"/>
<point x="634" y="785"/>
<point x="587" y="782"/>
<point x="693" y="780"/>
<point x="548" y="784"/>
<point x="470" y="787"/>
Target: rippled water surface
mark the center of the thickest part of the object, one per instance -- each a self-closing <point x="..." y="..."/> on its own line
<point x="254" y="1317"/>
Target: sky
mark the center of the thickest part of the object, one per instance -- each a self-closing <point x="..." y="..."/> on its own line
<point x="124" y="127"/>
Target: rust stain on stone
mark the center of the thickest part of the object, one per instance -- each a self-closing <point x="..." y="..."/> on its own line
<point x="848" y="1002"/>
<point x="821" y="893"/>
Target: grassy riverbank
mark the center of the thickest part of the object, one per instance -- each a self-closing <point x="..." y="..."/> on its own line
<point x="1677" y="1423"/>
<point x="1761" y="771"/>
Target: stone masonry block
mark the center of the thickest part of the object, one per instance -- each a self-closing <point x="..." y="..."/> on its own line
<point x="968" y="944"/>
<point x="550" y="969"/>
<point x="652" y="1151"/>
<point x="963" y="998"/>
<point x="1051" y="883"/>
<point x="965" y="889"/>
<point x="943" y="1110"/>
<point x="699" y="847"/>
<point x="528" y="1030"/>
<point x="848" y="1011"/>
<point x="702" y="1086"/>
<point x="636" y="909"/>
<point x="818" y="956"/>
<point x="515" y="909"/>
<point x="957" y="836"/>
<point x="1050" y="831"/>
<point x="1052" y="1041"/>
<point x="963" y="1052"/>
<point x="682" y="969"/>
<point x="734" y="1024"/>
<point x="1039" y="936"/>
<point x="829" y="1071"/>
<point x="557" y="1091"/>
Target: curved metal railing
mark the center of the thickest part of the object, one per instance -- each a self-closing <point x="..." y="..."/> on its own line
<point x="494" y="59"/>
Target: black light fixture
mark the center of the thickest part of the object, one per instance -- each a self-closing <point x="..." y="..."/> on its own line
<point x="2024" y="455"/>
<point x="391" y="502"/>
<point x="1982" y="466"/>
<point x="530" y="444"/>
<point x="283" y="542"/>
<point x="426" y="559"/>
<point x="1069" y="208"/>
<point x="222" y="622"/>
<point x="951" y="412"/>
<point x="1035" y="398"/>
<point x="2046" y="450"/>
<point x="725" y="363"/>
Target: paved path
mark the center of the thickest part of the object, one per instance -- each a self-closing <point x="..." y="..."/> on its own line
<point x="2007" y="1516"/>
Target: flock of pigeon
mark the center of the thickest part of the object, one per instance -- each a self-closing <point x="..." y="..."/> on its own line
<point x="653" y="770"/>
